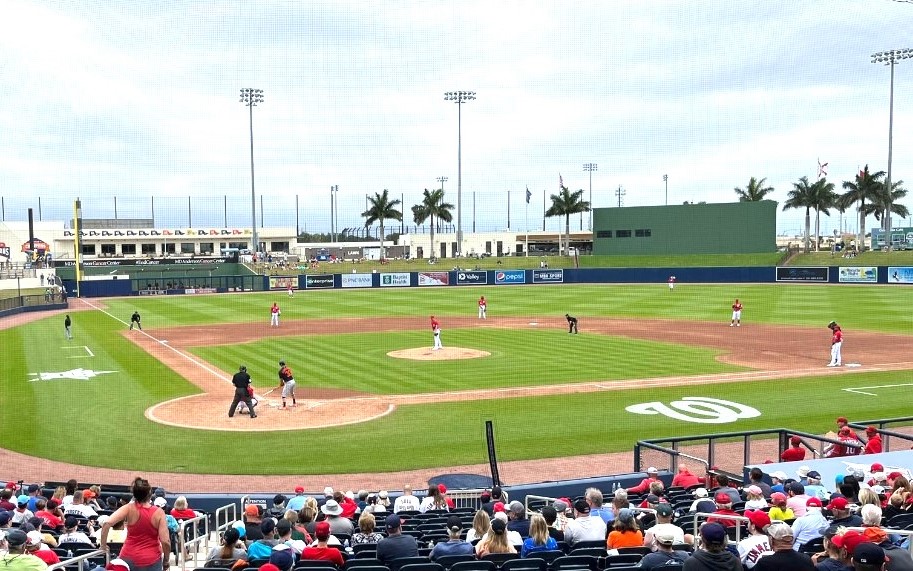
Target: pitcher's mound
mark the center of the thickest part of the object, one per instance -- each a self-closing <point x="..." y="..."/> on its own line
<point x="426" y="354"/>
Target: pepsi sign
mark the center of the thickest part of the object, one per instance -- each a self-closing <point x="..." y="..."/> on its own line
<point x="510" y="277"/>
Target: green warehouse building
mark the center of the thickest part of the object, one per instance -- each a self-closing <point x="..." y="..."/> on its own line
<point x="729" y="228"/>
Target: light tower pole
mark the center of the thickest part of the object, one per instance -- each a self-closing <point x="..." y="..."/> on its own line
<point x="250" y="98"/>
<point x="890" y="58"/>
<point x="459" y="97"/>
<point x="666" y="180"/>
<point x="590" y="167"/>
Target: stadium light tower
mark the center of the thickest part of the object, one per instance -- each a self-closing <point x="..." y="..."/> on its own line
<point x="890" y="58"/>
<point x="459" y="97"/>
<point x="250" y="98"/>
<point x="590" y="167"/>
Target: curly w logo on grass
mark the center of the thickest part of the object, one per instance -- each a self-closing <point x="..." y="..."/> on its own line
<point x="707" y="410"/>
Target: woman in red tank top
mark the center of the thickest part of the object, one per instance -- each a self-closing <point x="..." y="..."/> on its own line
<point x="148" y="547"/>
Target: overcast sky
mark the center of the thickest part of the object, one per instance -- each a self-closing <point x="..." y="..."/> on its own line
<point x="137" y="99"/>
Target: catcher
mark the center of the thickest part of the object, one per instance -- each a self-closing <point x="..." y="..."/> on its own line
<point x="287" y="382"/>
<point x="242" y="406"/>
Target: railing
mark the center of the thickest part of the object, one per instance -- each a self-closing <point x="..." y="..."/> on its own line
<point x="15" y="302"/>
<point x="80" y="559"/>
<point x="229" y="513"/>
<point x="191" y="528"/>
<point x="669" y="448"/>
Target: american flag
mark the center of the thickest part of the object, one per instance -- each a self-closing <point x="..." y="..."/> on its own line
<point x="528" y="194"/>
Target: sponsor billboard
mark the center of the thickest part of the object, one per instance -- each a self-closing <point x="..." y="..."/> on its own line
<point x="816" y="274"/>
<point x="394" y="280"/>
<point x="472" y="278"/>
<point x="433" y="278"/>
<point x="510" y="277"/>
<point x="858" y="274"/>
<point x="356" y="280"/>
<point x="548" y="276"/>
<point x="319" y="281"/>
<point x="283" y="282"/>
<point x="900" y="275"/>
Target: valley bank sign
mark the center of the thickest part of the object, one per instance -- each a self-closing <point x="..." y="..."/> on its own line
<point x="472" y="278"/>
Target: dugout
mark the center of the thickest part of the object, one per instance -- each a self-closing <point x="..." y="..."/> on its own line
<point x="728" y="228"/>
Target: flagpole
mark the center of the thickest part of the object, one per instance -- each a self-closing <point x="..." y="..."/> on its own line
<point x="526" y="223"/>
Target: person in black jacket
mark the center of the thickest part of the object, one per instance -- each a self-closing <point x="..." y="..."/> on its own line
<point x="241" y="381"/>
<point x="571" y="323"/>
<point x="135" y="320"/>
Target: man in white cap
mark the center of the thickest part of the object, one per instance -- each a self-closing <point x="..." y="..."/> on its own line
<point x="777" y="478"/>
<point x="644" y="485"/>
<point x="783" y="556"/>
<point x="802" y="472"/>
<point x="663" y="554"/>
<point x="702" y="502"/>
<point x="338" y="524"/>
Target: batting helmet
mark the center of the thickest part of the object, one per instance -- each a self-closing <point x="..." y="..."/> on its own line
<point x="242" y="368"/>
<point x="281" y="363"/>
<point x="832" y="323"/>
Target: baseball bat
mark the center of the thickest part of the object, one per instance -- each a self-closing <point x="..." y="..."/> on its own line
<point x="269" y="391"/>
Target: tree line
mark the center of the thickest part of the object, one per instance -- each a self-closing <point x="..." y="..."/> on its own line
<point x="868" y="191"/>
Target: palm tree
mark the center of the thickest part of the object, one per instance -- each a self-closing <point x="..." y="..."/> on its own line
<point x="381" y="208"/>
<point x="755" y="192"/>
<point x="802" y="196"/>
<point x="564" y="204"/>
<point x="864" y="188"/>
<point x="884" y="201"/>
<point x="823" y="199"/>
<point x="432" y="206"/>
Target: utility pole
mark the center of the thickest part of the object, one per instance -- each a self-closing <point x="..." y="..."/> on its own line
<point x="620" y="193"/>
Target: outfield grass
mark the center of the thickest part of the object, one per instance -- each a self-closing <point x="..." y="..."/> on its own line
<point x="100" y="421"/>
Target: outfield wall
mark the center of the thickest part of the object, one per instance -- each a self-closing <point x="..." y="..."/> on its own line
<point x="683" y="276"/>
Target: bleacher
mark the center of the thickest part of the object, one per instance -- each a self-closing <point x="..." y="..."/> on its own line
<point x="194" y="538"/>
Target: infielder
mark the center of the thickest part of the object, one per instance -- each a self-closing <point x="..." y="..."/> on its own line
<point x="135" y="320"/>
<point x="483" y="308"/>
<point x="287" y="382"/>
<point x="571" y="323"/>
<point x="275" y="312"/>
<point x="736" y="314"/>
<point x="836" y="344"/>
<point x="67" y="323"/>
<point x="243" y="392"/>
<point x="436" y="330"/>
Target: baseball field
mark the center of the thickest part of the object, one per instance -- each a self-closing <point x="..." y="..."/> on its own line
<point x="157" y="400"/>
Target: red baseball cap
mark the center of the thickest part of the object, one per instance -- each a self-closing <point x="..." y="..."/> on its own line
<point x="299" y="489"/>
<point x="849" y="540"/>
<point x="814" y="502"/>
<point x="838" y="504"/>
<point x="778" y="498"/>
<point x="758" y="518"/>
<point x="795" y="439"/>
<point x="894" y="475"/>
<point x="841" y="420"/>
<point x="876" y="467"/>
<point x="722" y="498"/>
<point x="442" y="488"/>
<point x="871" y="430"/>
<point x="498" y="507"/>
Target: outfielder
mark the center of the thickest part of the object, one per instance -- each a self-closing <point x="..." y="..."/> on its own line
<point x="483" y="308"/>
<point x="287" y="381"/>
<point x="836" y="344"/>
<point x="672" y="280"/>
<point x="736" y="314"/>
<point x="291" y="291"/>
<point x="436" y="330"/>
<point x="275" y="312"/>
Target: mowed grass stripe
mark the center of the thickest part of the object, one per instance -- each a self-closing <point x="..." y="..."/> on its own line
<point x="532" y="357"/>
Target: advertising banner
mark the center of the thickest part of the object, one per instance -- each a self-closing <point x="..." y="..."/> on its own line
<point x="356" y="280"/>
<point x="548" y="276"/>
<point x="283" y="282"/>
<point x="900" y="275"/>
<point x="320" y="281"/>
<point x="858" y="274"/>
<point x="433" y="278"/>
<point x="394" y="280"/>
<point x="510" y="277"/>
<point x="815" y="274"/>
<point x="472" y="278"/>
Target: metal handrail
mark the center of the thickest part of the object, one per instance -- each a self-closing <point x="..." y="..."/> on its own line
<point x="229" y="512"/>
<point x="196" y="538"/>
<point x="79" y="559"/>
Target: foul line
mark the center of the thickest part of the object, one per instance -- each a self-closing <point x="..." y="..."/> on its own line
<point x="163" y="343"/>
<point x="857" y="391"/>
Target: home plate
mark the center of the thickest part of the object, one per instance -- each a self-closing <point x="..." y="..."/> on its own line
<point x="533" y="323"/>
<point x="853" y="365"/>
